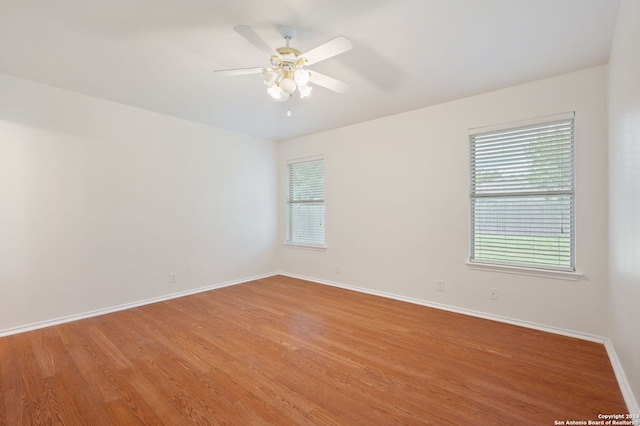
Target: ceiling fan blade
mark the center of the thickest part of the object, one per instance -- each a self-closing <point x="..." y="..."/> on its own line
<point x="325" y="51"/>
<point x="252" y="37"/>
<point x="329" y="82"/>
<point x="239" y="71"/>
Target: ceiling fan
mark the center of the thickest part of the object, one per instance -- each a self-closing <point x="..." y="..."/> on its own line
<point x="287" y="73"/>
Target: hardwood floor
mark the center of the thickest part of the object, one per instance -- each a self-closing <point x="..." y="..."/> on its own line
<point x="282" y="351"/>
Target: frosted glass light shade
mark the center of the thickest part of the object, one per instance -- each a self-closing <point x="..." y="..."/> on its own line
<point x="275" y="92"/>
<point x="269" y="77"/>
<point x="304" y="91"/>
<point x="287" y="85"/>
<point x="301" y="77"/>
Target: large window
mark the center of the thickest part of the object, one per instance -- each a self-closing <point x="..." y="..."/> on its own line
<point x="305" y="218"/>
<point x="522" y="195"/>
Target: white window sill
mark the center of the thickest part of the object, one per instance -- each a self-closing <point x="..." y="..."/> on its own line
<point x="289" y="244"/>
<point x="518" y="270"/>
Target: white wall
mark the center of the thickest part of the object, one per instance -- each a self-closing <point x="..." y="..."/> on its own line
<point x="100" y="202"/>
<point x="397" y="205"/>
<point x="624" y="190"/>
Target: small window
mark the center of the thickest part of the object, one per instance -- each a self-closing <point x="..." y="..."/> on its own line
<point x="305" y="218"/>
<point x="522" y="195"/>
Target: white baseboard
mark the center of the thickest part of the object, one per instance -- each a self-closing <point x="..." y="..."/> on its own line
<point x="97" y="312"/>
<point x="625" y="388"/>
<point x="527" y="324"/>
<point x="629" y="398"/>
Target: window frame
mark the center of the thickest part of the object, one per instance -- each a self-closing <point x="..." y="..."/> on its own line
<point x="288" y="238"/>
<point x="510" y="266"/>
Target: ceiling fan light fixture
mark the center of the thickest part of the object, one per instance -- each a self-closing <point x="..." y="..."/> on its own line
<point x="276" y="60"/>
<point x="269" y="76"/>
<point x="283" y="98"/>
<point x="301" y="76"/>
<point x="305" y="91"/>
<point x="288" y="85"/>
<point x="275" y="92"/>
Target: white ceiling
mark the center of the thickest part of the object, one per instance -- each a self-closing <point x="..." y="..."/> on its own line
<point x="159" y="54"/>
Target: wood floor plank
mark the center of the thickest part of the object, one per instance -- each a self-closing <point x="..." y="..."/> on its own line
<point x="282" y="351"/>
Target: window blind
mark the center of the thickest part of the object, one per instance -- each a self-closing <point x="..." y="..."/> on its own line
<point x="522" y="196"/>
<point x="306" y="203"/>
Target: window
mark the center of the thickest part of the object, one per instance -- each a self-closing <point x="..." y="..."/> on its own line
<point x="305" y="218"/>
<point x="522" y="195"/>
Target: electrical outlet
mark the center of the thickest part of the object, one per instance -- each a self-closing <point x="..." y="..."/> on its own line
<point x="493" y="293"/>
<point x="440" y="284"/>
<point x="172" y="278"/>
<point x="337" y="268"/>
